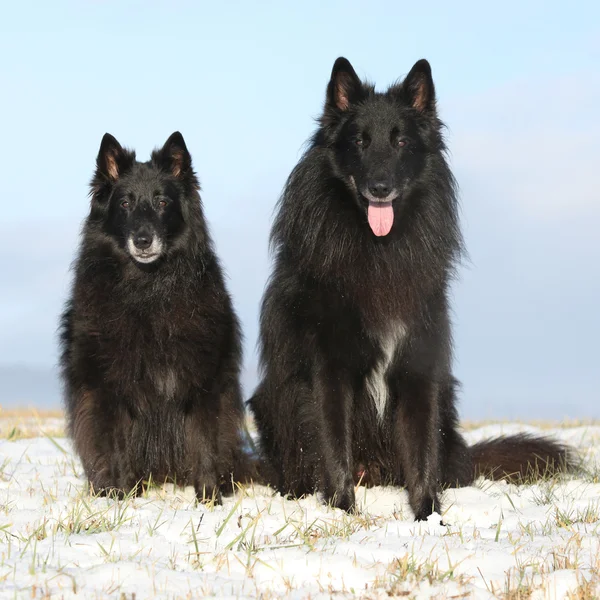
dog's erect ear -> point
(344, 87)
(174, 157)
(417, 87)
(112, 159)
(111, 163)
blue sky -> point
(518, 86)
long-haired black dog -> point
(355, 336)
(151, 346)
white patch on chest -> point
(166, 383)
(389, 342)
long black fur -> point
(340, 297)
(151, 347)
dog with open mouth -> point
(355, 336)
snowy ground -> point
(537, 541)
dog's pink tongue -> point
(381, 218)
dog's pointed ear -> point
(174, 157)
(417, 87)
(344, 88)
(111, 163)
(113, 160)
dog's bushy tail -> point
(522, 458)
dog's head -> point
(144, 208)
(381, 141)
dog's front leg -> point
(336, 402)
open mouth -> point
(381, 217)
(380, 213)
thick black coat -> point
(151, 346)
(355, 338)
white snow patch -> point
(56, 541)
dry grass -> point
(25, 423)
(589, 590)
(29, 412)
(541, 424)
(40, 415)
(407, 572)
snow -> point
(538, 541)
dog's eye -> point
(125, 204)
(359, 142)
(162, 203)
(401, 143)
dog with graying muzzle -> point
(151, 346)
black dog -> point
(356, 347)
(151, 346)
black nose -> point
(142, 241)
(380, 189)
